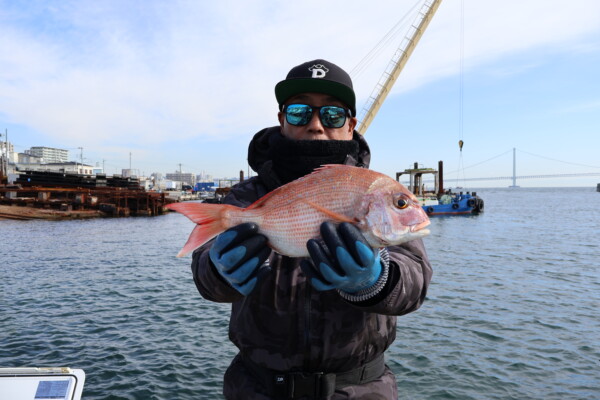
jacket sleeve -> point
(209, 282)
(409, 276)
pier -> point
(54, 195)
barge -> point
(439, 201)
(57, 195)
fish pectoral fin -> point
(328, 212)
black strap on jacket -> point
(314, 385)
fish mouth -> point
(418, 227)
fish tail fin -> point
(209, 218)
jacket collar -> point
(259, 160)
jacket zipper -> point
(307, 306)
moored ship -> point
(439, 201)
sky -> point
(162, 86)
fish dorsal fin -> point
(333, 168)
(335, 216)
(327, 168)
(260, 202)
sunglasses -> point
(330, 116)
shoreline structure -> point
(58, 196)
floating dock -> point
(56, 195)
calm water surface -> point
(513, 311)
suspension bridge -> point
(514, 177)
(518, 177)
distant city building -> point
(204, 177)
(226, 182)
(145, 183)
(49, 154)
(128, 173)
(169, 185)
(70, 166)
(184, 177)
(6, 149)
(24, 158)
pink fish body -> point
(384, 210)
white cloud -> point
(151, 73)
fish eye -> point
(401, 204)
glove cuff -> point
(370, 292)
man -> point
(312, 328)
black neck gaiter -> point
(293, 159)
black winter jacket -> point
(284, 324)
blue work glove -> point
(345, 261)
(238, 255)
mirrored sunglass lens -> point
(333, 117)
(298, 114)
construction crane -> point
(397, 63)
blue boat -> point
(439, 201)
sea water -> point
(512, 312)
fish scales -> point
(291, 215)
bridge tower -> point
(514, 175)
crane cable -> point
(391, 35)
(461, 94)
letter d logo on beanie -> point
(319, 71)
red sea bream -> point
(383, 209)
